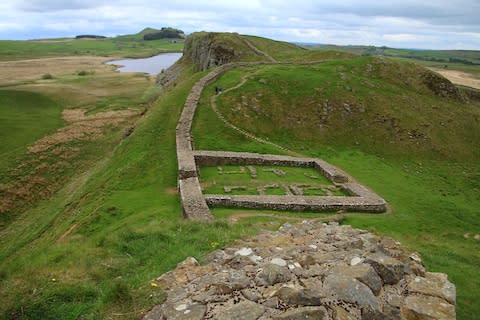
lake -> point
(152, 65)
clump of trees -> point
(165, 33)
(89, 36)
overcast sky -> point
(438, 24)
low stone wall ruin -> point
(195, 204)
(307, 271)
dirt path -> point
(258, 51)
(459, 77)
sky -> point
(425, 24)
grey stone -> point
(301, 296)
(234, 279)
(239, 261)
(272, 302)
(341, 314)
(245, 310)
(363, 273)
(272, 274)
(251, 294)
(387, 314)
(434, 284)
(311, 313)
(210, 296)
(427, 308)
(350, 290)
(183, 312)
(218, 256)
(389, 269)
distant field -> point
(118, 47)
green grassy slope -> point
(24, 118)
(378, 105)
(463, 60)
(379, 121)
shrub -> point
(84, 73)
(47, 76)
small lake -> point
(152, 65)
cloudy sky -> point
(437, 24)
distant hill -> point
(465, 60)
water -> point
(152, 65)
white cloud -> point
(402, 37)
(432, 24)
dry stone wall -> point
(307, 271)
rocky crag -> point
(307, 271)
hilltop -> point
(92, 248)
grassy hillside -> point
(91, 249)
(57, 127)
(380, 121)
(24, 118)
(378, 105)
(462, 60)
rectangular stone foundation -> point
(360, 198)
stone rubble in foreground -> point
(307, 271)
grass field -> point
(90, 250)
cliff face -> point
(442, 87)
(212, 49)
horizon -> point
(432, 25)
(305, 43)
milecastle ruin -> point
(195, 203)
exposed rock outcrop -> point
(206, 51)
(307, 271)
(442, 87)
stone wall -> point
(298, 203)
(307, 271)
